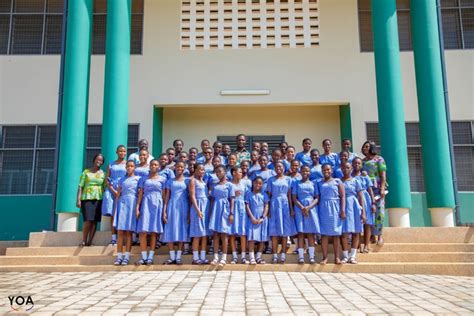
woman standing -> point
(376, 169)
(89, 198)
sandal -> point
(275, 260)
(301, 261)
(260, 261)
(380, 242)
(268, 251)
(204, 261)
(140, 262)
(253, 262)
(178, 262)
(215, 262)
(366, 249)
(234, 261)
(352, 260)
(337, 261)
(324, 261)
(149, 262)
(118, 262)
(82, 244)
(312, 261)
(244, 261)
(125, 262)
(113, 242)
(196, 262)
(169, 261)
(282, 260)
(344, 260)
(222, 263)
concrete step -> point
(111, 250)
(455, 269)
(391, 235)
(453, 257)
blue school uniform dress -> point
(254, 168)
(256, 203)
(125, 218)
(294, 179)
(337, 173)
(151, 208)
(265, 174)
(208, 168)
(211, 180)
(167, 173)
(177, 228)
(329, 208)
(316, 173)
(332, 159)
(366, 183)
(239, 226)
(200, 158)
(304, 158)
(200, 226)
(280, 223)
(305, 193)
(219, 220)
(352, 156)
(117, 171)
(142, 171)
(248, 183)
(228, 175)
(352, 223)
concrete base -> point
(442, 217)
(399, 217)
(106, 224)
(67, 222)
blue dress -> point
(280, 223)
(125, 218)
(265, 174)
(200, 158)
(286, 165)
(142, 171)
(177, 228)
(304, 158)
(337, 173)
(329, 208)
(239, 226)
(352, 223)
(167, 173)
(256, 203)
(254, 168)
(248, 183)
(117, 172)
(211, 180)
(208, 168)
(219, 220)
(332, 159)
(200, 226)
(316, 173)
(352, 156)
(305, 193)
(366, 183)
(151, 208)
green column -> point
(390, 102)
(345, 122)
(431, 105)
(157, 142)
(75, 101)
(117, 76)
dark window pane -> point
(98, 38)
(468, 27)
(44, 172)
(90, 153)
(131, 150)
(365, 31)
(462, 133)
(373, 132)
(449, 3)
(27, 34)
(133, 130)
(365, 5)
(4, 30)
(100, 6)
(53, 34)
(15, 171)
(415, 166)
(464, 157)
(467, 3)
(29, 6)
(55, 6)
(94, 136)
(5, 5)
(404, 30)
(403, 4)
(46, 137)
(18, 136)
(451, 29)
(413, 133)
(137, 33)
(137, 6)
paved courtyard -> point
(236, 292)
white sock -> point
(243, 254)
(144, 256)
(283, 255)
(234, 254)
(259, 255)
(353, 252)
(311, 252)
(345, 254)
(114, 237)
(300, 253)
(224, 256)
(151, 254)
(252, 255)
(172, 255)
(119, 255)
(127, 255)
(203, 254)
(178, 254)
(275, 256)
(216, 256)
(195, 255)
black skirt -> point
(91, 210)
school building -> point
(272, 69)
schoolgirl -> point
(239, 225)
(315, 171)
(329, 157)
(304, 157)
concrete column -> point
(157, 142)
(391, 109)
(74, 111)
(432, 112)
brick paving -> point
(237, 293)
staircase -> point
(447, 251)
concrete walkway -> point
(236, 292)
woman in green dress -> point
(89, 198)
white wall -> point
(334, 72)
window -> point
(34, 27)
(27, 156)
(463, 153)
(273, 141)
(457, 18)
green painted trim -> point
(75, 103)
(431, 104)
(157, 142)
(345, 122)
(390, 102)
(117, 77)
(419, 214)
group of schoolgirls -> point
(213, 194)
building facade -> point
(276, 70)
